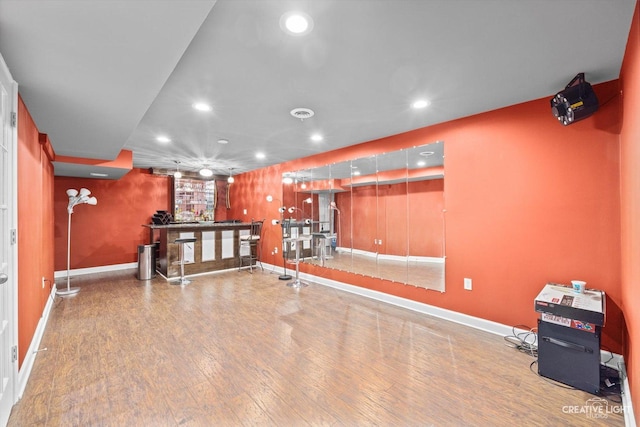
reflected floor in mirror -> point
(237, 348)
(423, 274)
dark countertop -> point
(198, 224)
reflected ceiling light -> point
(308, 200)
(303, 186)
(177, 174)
(223, 141)
(287, 180)
(99, 175)
(356, 173)
(201, 106)
(296, 23)
(260, 155)
(421, 103)
(164, 139)
(421, 163)
(316, 137)
(206, 172)
(230, 180)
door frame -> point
(12, 212)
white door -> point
(8, 246)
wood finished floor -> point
(244, 349)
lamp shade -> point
(92, 201)
(84, 192)
(72, 192)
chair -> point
(299, 241)
(252, 243)
(182, 242)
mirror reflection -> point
(379, 216)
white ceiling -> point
(99, 76)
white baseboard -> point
(32, 351)
(102, 269)
(616, 361)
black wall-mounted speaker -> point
(576, 102)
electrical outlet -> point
(467, 284)
(275, 250)
(245, 211)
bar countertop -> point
(197, 224)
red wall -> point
(630, 206)
(35, 227)
(528, 201)
(110, 232)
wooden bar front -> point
(217, 246)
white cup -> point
(578, 286)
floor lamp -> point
(75, 198)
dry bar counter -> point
(217, 246)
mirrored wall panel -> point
(380, 216)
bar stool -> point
(252, 242)
(182, 242)
(320, 247)
(297, 283)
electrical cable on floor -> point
(525, 342)
(557, 384)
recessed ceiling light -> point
(427, 153)
(206, 172)
(316, 137)
(223, 141)
(102, 175)
(260, 156)
(296, 23)
(164, 139)
(421, 103)
(356, 173)
(201, 106)
(421, 163)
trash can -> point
(146, 262)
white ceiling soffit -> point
(93, 72)
(88, 70)
(88, 171)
